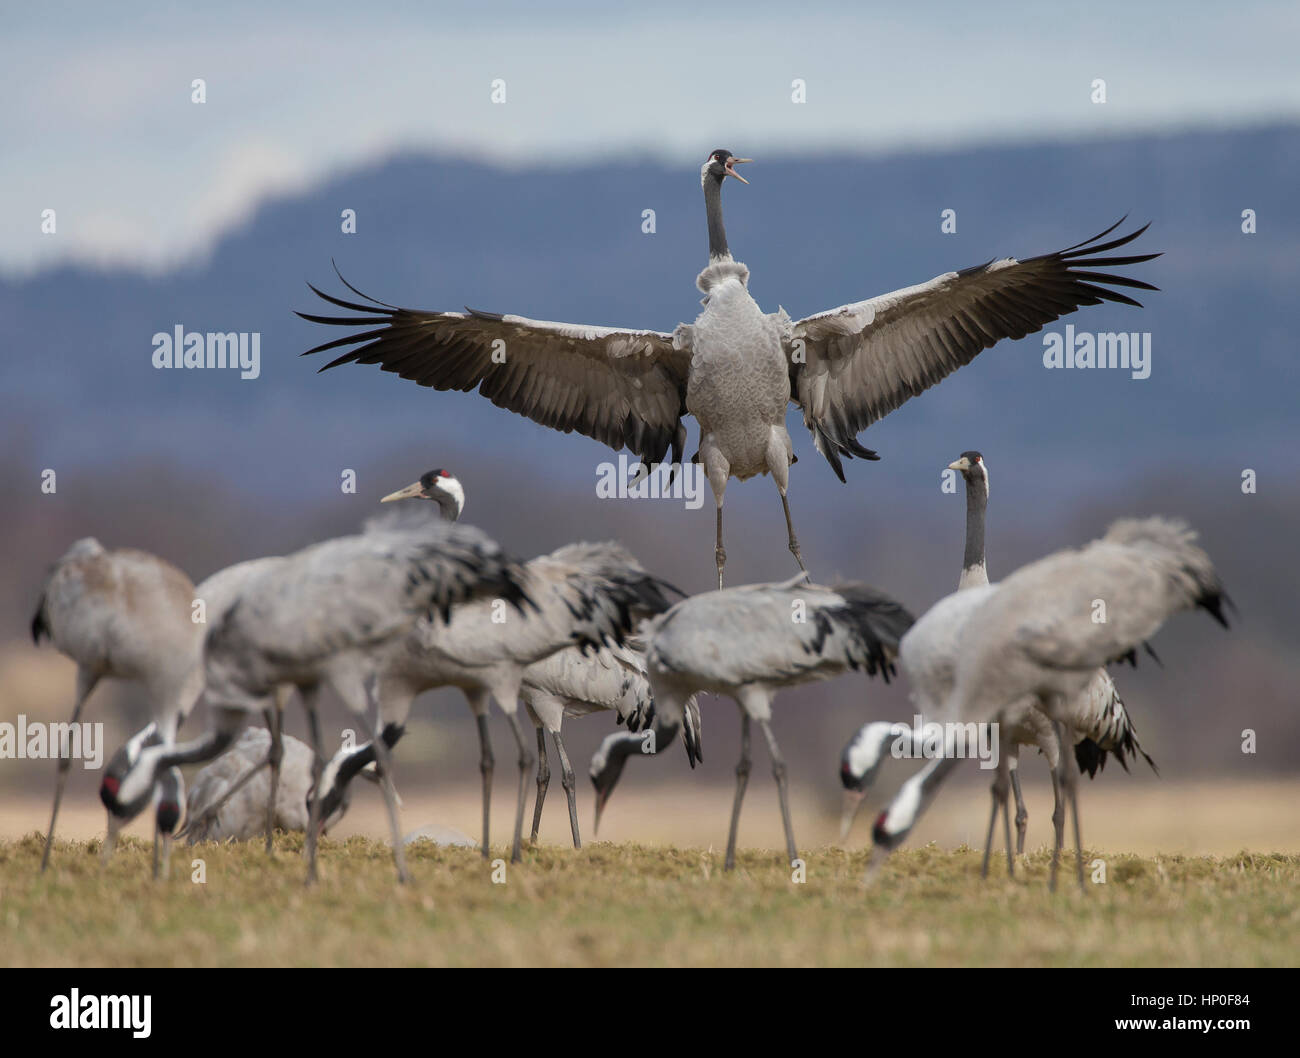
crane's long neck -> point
(713, 210)
(973, 570)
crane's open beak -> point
(732, 172)
(852, 802)
(415, 489)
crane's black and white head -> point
(341, 769)
(859, 764)
(721, 164)
(171, 795)
(606, 767)
(439, 485)
(973, 469)
(128, 784)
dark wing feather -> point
(624, 388)
(855, 364)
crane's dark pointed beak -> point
(852, 801)
(415, 489)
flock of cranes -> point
(409, 605)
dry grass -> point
(628, 904)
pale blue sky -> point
(97, 122)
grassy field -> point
(630, 904)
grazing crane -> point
(123, 614)
(1035, 636)
(231, 799)
(583, 594)
(322, 617)
(167, 795)
(736, 368)
(749, 642)
(219, 592)
(612, 753)
(574, 682)
(929, 657)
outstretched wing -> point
(624, 388)
(855, 364)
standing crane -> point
(218, 593)
(750, 642)
(320, 617)
(929, 657)
(123, 614)
(1034, 636)
(735, 368)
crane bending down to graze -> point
(929, 657)
(166, 796)
(123, 614)
(322, 617)
(1035, 636)
(574, 682)
(231, 799)
(735, 368)
(583, 594)
(750, 642)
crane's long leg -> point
(570, 784)
(1022, 813)
(384, 764)
(86, 681)
(274, 719)
(742, 780)
(317, 767)
(783, 793)
(794, 540)
(720, 552)
(1070, 770)
(988, 834)
(486, 762)
(525, 762)
(1006, 835)
(1058, 823)
(1000, 791)
(1069, 790)
(543, 781)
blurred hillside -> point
(207, 469)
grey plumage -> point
(929, 655)
(1036, 636)
(122, 614)
(243, 816)
(575, 682)
(735, 368)
(749, 642)
(321, 617)
(584, 595)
